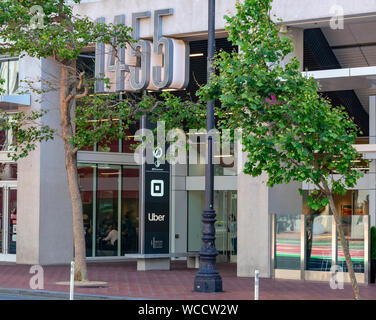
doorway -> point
(110, 199)
(8, 221)
(225, 204)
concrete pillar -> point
(372, 164)
(257, 202)
(297, 37)
(45, 230)
(253, 227)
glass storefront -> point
(110, 196)
(320, 240)
(288, 242)
(225, 205)
(352, 208)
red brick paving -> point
(177, 284)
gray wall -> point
(286, 199)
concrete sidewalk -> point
(123, 281)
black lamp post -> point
(208, 279)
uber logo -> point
(156, 218)
(157, 188)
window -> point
(110, 199)
(6, 138)
(10, 73)
(353, 208)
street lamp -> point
(208, 279)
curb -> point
(53, 295)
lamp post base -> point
(208, 279)
(208, 284)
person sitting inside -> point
(112, 238)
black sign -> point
(157, 204)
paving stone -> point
(124, 281)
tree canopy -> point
(290, 130)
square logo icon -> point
(157, 188)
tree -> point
(85, 119)
(290, 131)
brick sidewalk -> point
(124, 281)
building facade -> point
(261, 228)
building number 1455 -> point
(160, 64)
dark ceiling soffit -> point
(318, 55)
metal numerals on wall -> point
(146, 65)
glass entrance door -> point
(8, 218)
(226, 231)
(225, 204)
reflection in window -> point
(354, 233)
(353, 208)
(9, 73)
(288, 242)
(319, 242)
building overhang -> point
(345, 79)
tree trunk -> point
(345, 247)
(80, 273)
(309, 236)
